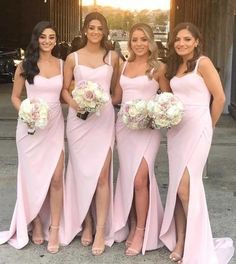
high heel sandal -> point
(53, 249)
(97, 251)
(85, 241)
(131, 251)
(37, 240)
(131, 234)
(87, 232)
(176, 257)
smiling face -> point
(139, 43)
(47, 40)
(185, 43)
(95, 31)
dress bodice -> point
(48, 89)
(191, 88)
(101, 74)
(139, 87)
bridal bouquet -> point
(134, 114)
(90, 97)
(165, 111)
(34, 112)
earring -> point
(85, 33)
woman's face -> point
(94, 31)
(139, 43)
(185, 43)
(47, 40)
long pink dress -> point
(133, 146)
(89, 142)
(38, 156)
(188, 147)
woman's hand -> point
(74, 105)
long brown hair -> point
(29, 65)
(152, 61)
(104, 42)
(174, 60)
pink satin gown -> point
(188, 147)
(89, 142)
(38, 156)
(133, 146)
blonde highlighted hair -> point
(152, 60)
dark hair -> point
(174, 60)
(29, 65)
(75, 43)
(104, 43)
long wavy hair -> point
(104, 42)
(152, 60)
(29, 65)
(174, 60)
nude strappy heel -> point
(37, 240)
(131, 251)
(53, 249)
(97, 251)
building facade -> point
(18, 17)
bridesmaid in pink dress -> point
(41, 155)
(194, 80)
(89, 177)
(137, 208)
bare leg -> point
(132, 224)
(87, 234)
(56, 200)
(141, 206)
(102, 197)
(37, 232)
(181, 212)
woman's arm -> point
(19, 84)
(115, 75)
(117, 91)
(160, 77)
(213, 83)
(67, 79)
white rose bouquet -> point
(134, 114)
(90, 98)
(35, 113)
(165, 111)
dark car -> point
(9, 59)
(162, 51)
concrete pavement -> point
(220, 186)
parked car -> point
(9, 59)
(162, 51)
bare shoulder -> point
(162, 67)
(206, 67)
(205, 63)
(20, 69)
(70, 59)
(114, 55)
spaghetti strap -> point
(125, 64)
(197, 63)
(76, 58)
(151, 72)
(61, 66)
(109, 58)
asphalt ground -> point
(219, 181)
